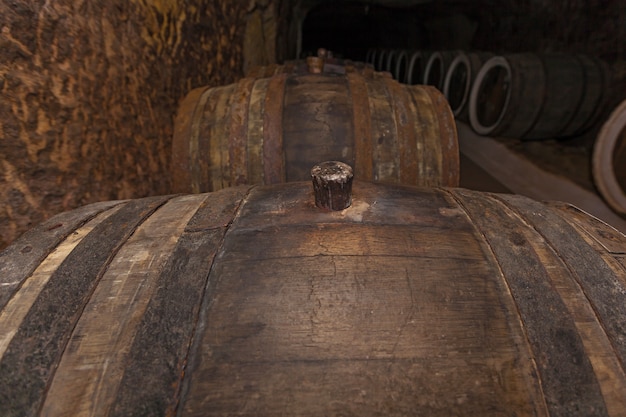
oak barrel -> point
(532, 96)
(609, 159)
(415, 69)
(252, 301)
(275, 129)
(402, 66)
(459, 79)
(436, 68)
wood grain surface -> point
(252, 301)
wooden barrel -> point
(459, 79)
(417, 63)
(304, 66)
(402, 67)
(392, 61)
(274, 129)
(436, 68)
(537, 96)
(369, 55)
(252, 301)
(381, 59)
(609, 160)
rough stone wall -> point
(88, 92)
(595, 27)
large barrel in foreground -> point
(275, 129)
(252, 301)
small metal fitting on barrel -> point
(332, 185)
(315, 64)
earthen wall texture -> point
(88, 93)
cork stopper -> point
(332, 185)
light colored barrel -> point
(381, 60)
(253, 301)
(417, 63)
(537, 96)
(274, 129)
(609, 160)
(402, 67)
(459, 79)
(392, 60)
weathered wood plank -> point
(602, 285)
(298, 316)
(13, 313)
(273, 151)
(185, 169)
(317, 124)
(33, 353)
(361, 126)
(568, 380)
(19, 260)
(256, 112)
(157, 359)
(406, 156)
(88, 375)
(383, 124)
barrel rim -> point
(429, 67)
(389, 62)
(460, 59)
(381, 59)
(494, 62)
(411, 67)
(602, 167)
(403, 55)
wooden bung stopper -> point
(332, 185)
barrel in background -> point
(251, 301)
(459, 79)
(324, 62)
(537, 96)
(402, 67)
(417, 63)
(436, 68)
(609, 160)
(274, 129)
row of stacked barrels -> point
(255, 299)
(526, 96)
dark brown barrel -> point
(252, 301)
(275, 129)
(459, 79)
(609, 160)
(537, 96)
